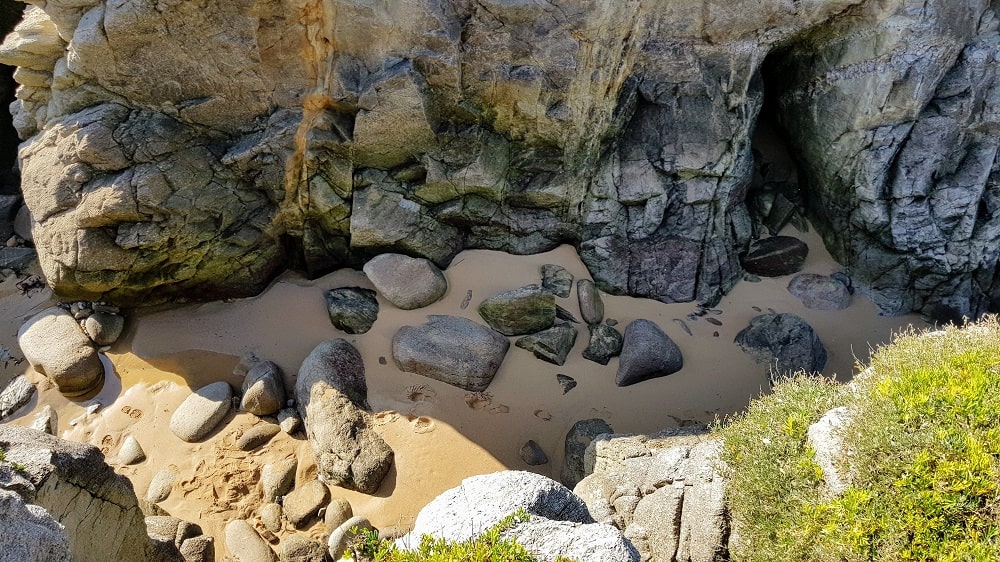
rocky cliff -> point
(197, 148)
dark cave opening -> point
(776, 196)
(9, 178)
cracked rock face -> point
(313, 134)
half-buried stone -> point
(552, 345)
(820, 292)
(647, 353)
(525, 310)
(332, 398)
(785, 342)
(775, 256)
(451, 349)
(55, 345)
(202, 411)
(352, 309)
(406, 282)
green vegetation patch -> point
(923, 438)
(490, 546)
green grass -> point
(490, 546)
(924, 457)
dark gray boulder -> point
(785, 342)
(451, 349)
(578, 438)
(591, 305)
(352, 309)
(775, 256)
(605, 343)
(16, 258)
(552, 345)
(647, 352)
(406, 282)
(556, 280)
(263, 389)
(820, 292)
(525, 310)
(332, 398)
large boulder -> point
(525, 310)
(775, 256)
(97, 508)
(820, 292)
(55, 345)
(406, 282)
(332, 398)
(451, 349)
(784, 342)
(647, 352)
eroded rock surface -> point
(332, 398)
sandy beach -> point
(440, 434)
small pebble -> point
(713, 321)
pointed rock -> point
(567, 382)
(552, 345)
(647, 352)
(131, 452)
(533, 455)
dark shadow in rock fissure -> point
(777, 192)
(10, 14)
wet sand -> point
(440, 434)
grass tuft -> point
(922, 448)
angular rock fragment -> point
(352, 309)
(556, 280)
(15, 395)
(332, 398)
(567, 382)
(451, 349)
(202, 411)
(647, 352)
(552, 345)
(563, 314)
(605, 343)
(775, 256)
(406, 282)
(525, 310)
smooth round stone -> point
(342, 535)
(337, 511)
(245, 544)
(55, 345)
(202, 411)
(104, 328)
(647, 352)
(532, 454)
(820, 292)
(406, 282)
(161, 485)
(304, 502)
(131, 452)
(591, 305)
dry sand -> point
(440, 434)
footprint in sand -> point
(478, 400)
(422, 424)
(420, 393)
(543, 415)
(385, 418)
(134, 413)
(501, 409)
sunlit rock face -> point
(196, 149)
